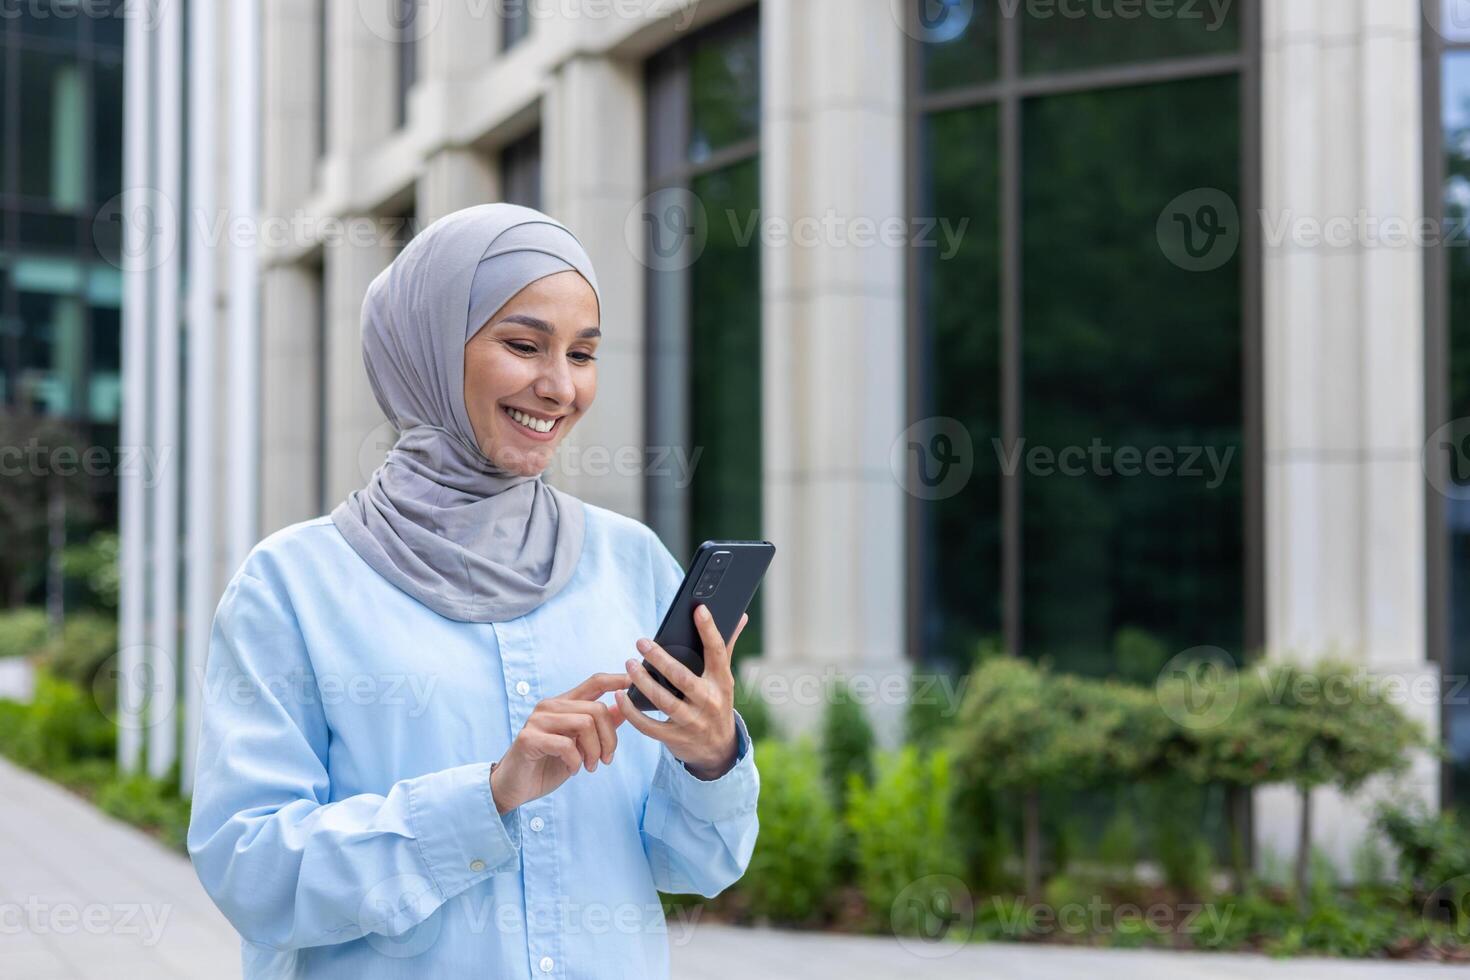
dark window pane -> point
(109, 24)
(51, 355)
(724, 92)
(47, 231)
(725, 368)
(515, 22)
(407, 55)
(1084, 35)
(1131, 368)
(53, 134)
(961, 371)
(520, 171)
(108, 131)
(959, 43)
(53, 19)
(1455, 102)
(104, 379)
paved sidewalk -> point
(84, 896)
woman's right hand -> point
(562, 735)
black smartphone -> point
(723, 575)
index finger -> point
(596, 686)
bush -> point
(754, 711)
(94, 565)
(87, 642)
(22, 631)
(900, 825)
(61, 725)
(1429, 848)
(153, 804)
(847, 741)
(791, 872)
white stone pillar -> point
(1343, 358)
(832, 131)
(352, 414)
(594, 135)
(454, 178)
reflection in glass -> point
(1066, 37)
(1128, 558)
(959, 44)
(961, 534)
(53, 129)
(724, 92)
(1455, 102)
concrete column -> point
(594, 112)
(1343, 354)
(289, 302)
(290, 430)
(364, 78)
(352, 414)
(454, 178)
(833, 356)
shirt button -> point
(522, 688)
(546, 964)
(477, 865)
(537, 823)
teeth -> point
(540, 425)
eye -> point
(582, 357)
(520, 347)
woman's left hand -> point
(701, 728)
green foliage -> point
(22, 631)
(755, 712)
(59, 726)
(931, 709)
(1139, 655)
(1429, 848)
(791, 872)
(847, 741)
(87, 642)
(1183, 853)
(153, 804)
(1117, 849)
(94, 566)
(901, 827)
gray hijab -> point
(470, 540)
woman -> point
(407, 766)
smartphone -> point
(723, 575)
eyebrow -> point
(536, 323)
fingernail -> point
(643, 645)
(631, 663)
(704, 612)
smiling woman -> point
(341, 838)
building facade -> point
(1098, 332)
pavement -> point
(84, 896)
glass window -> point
(515, 22)
(407, 56)
(107, 134)
(960, 378)
(704, 369)
(1455, 120)
(520, 171)
(1071, 36)
(323, 79)
(53, 123)
(725, 93)
(1136, 364)
(961, 43)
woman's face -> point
(530, 372)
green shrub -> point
(87, 642)
(900, 825)
(61, 725)
(1429, 848)
(791, 872)
(22, 631)
(94, 565)
(754, 711)
(847, 741)
(153, 804)
(931, 710)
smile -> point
(531, 423)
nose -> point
(554, 383)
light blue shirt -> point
(342, 815)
